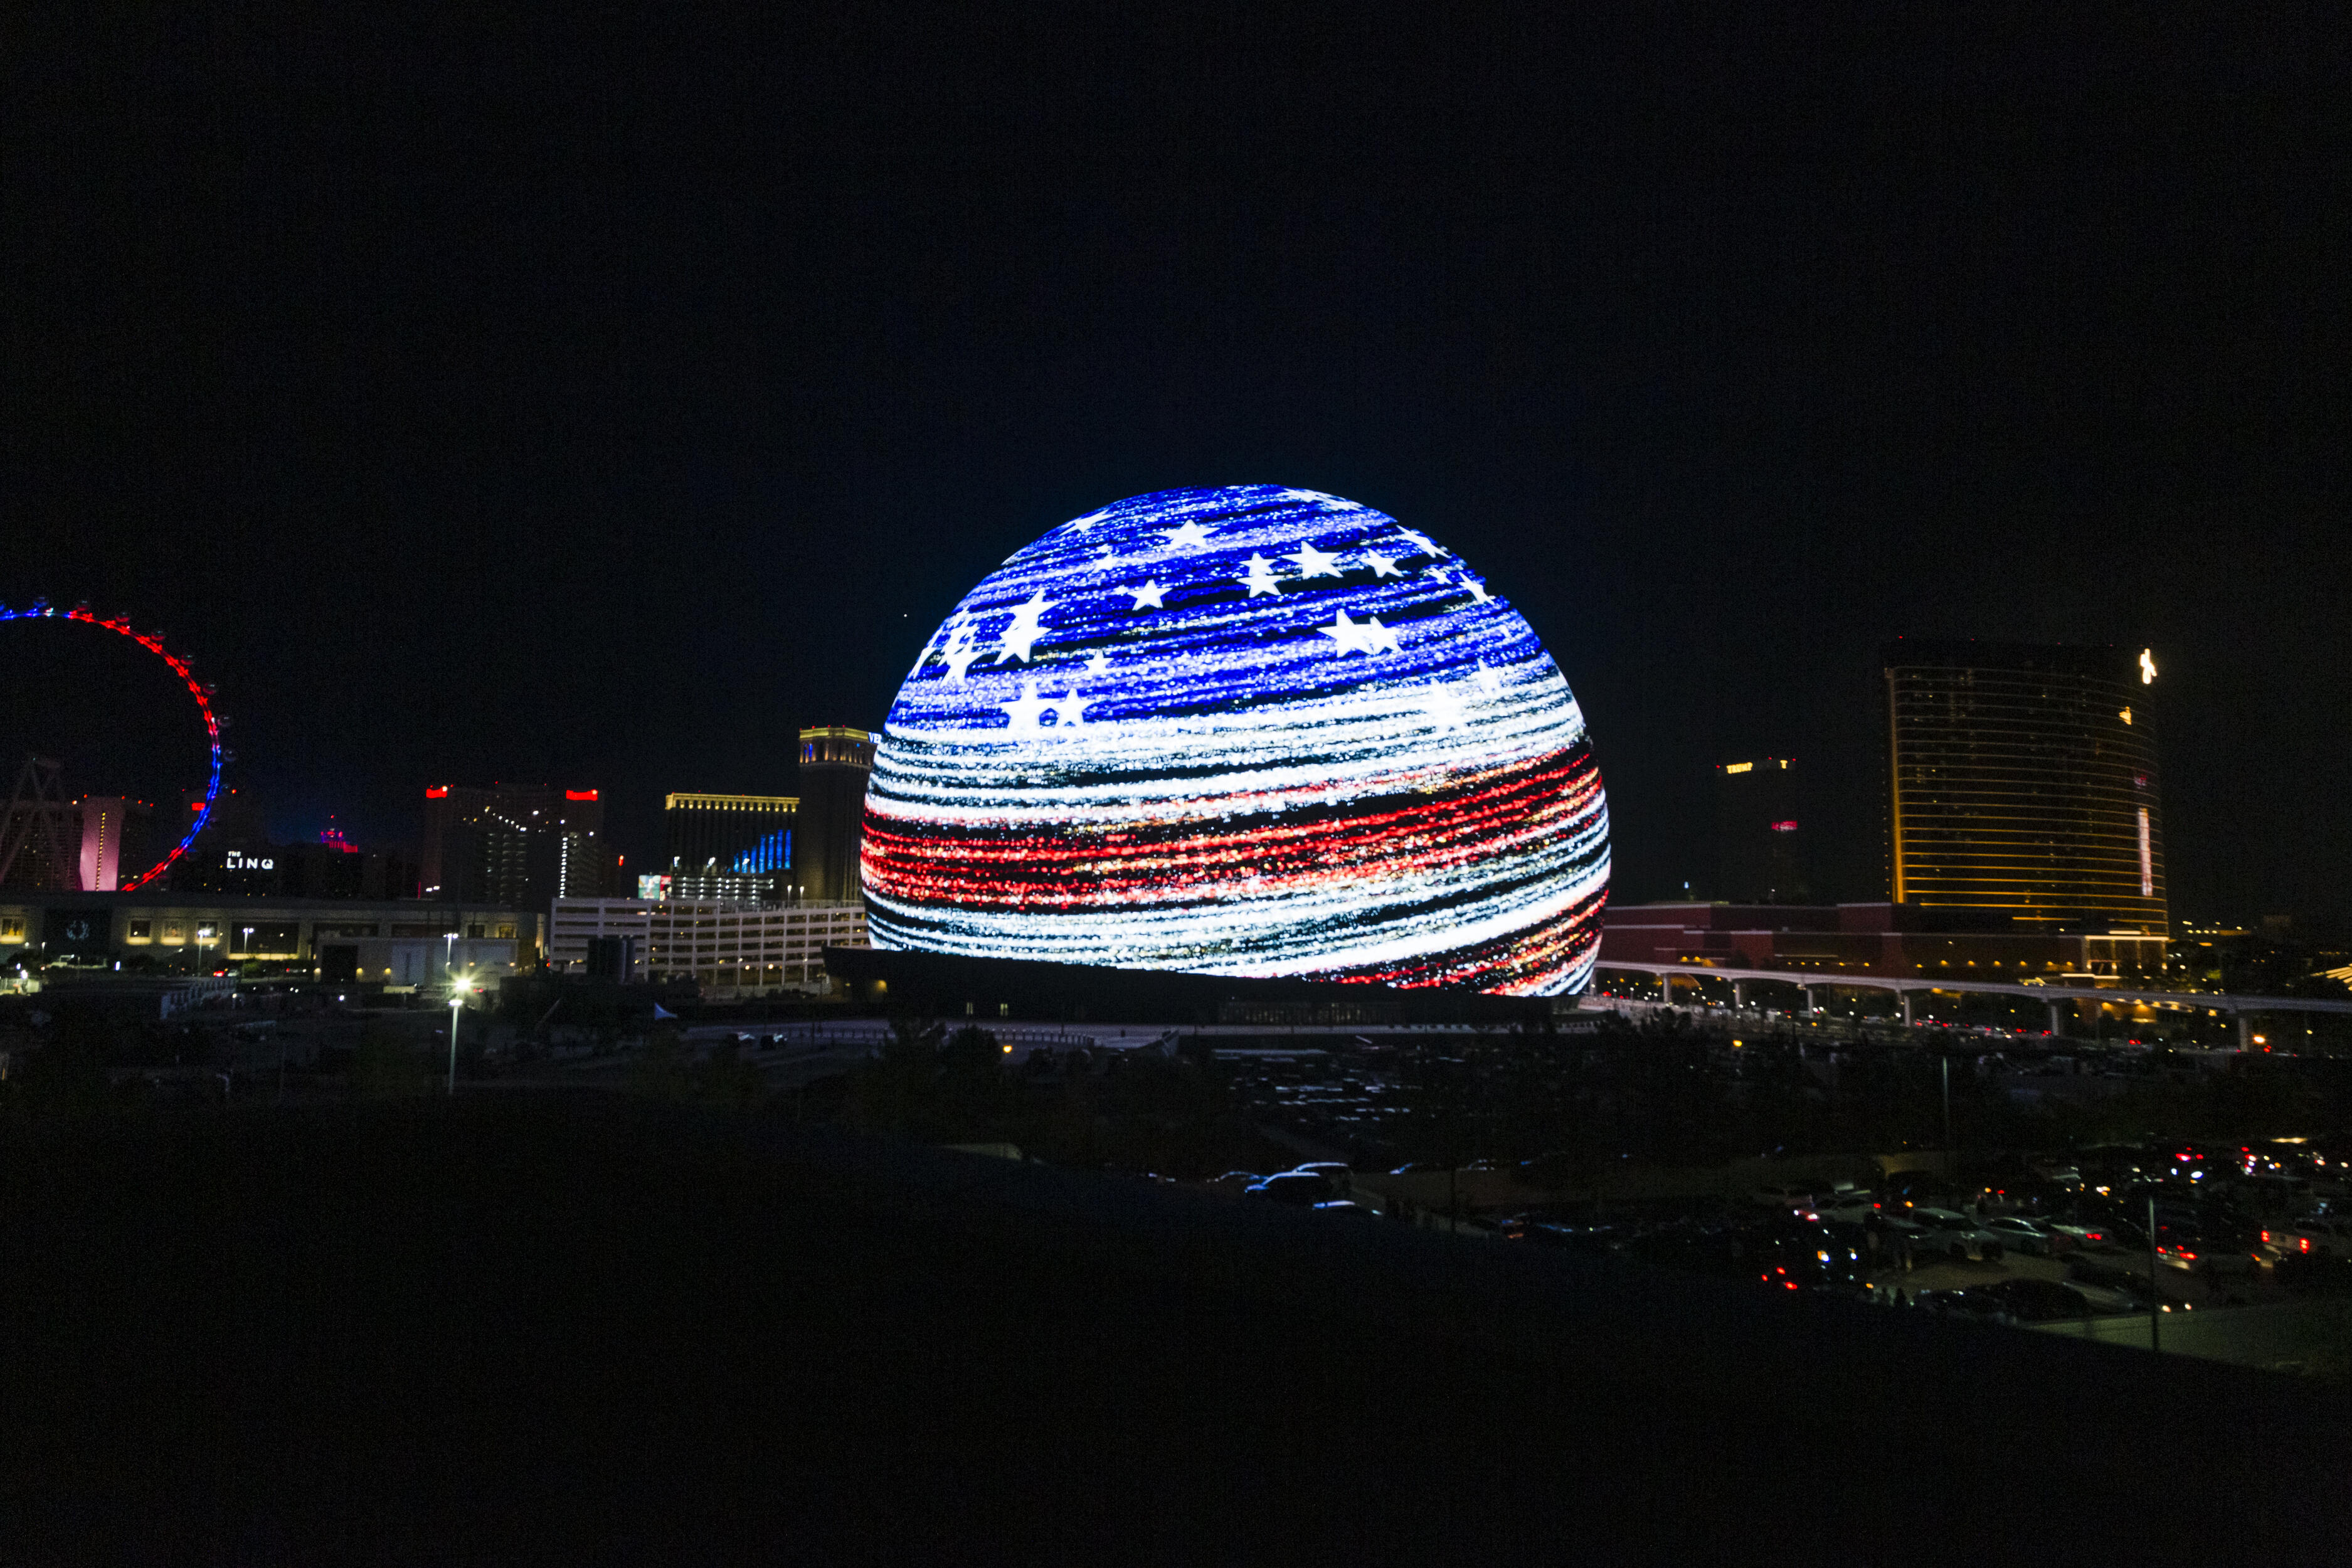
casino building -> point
(514, 846)
(744, 834)
(2022, 781)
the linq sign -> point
(78, 931)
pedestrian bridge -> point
(2239, 1005)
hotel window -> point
(506, 933)
(174, 931)
(12, 930)
(142, 930)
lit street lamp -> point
(456, 1001)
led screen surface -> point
(1248, 730)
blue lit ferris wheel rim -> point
(154, 645)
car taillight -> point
(2266, 1236)
(2306, 1244)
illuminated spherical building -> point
(1249, 731)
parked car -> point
(2026, 1238)
(2209, 1252)
(1784, 1196)
(2315, 1273)
(2112, 1300)
(1332, 1170)
(1300, 1189)
(2315, 1236)
(2086, 1270)
(1236, 1181)
(1963, 1304)
(2077, 1234)
(2038, 1300)
(1847, 1207)
(1952, 1234)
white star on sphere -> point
(1023, 634)
(1191, 536)
(1477, 590)
(1421, 542)
(1021, 711)
(1307, 495)
(1489, 683)
(960, 653)
(1087, 521)
(1069, 713)
(1261, 578)
(1098, 664)
(1445, 707)
(1377, 637)
(1381, 565)
(1345, 636)
(1313, 562)
(1149, 594)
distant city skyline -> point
(1725, 373)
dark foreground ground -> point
(588, 1329)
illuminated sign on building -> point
(2147, 666)
(1249, 731)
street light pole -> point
(456, 1001)
(1951, 1164)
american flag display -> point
(1247, 731)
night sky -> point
(595, 403)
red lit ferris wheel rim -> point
(153, 644)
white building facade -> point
(730, 948)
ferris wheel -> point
(30, 815)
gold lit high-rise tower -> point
(2022, 779)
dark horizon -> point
(597, 405)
